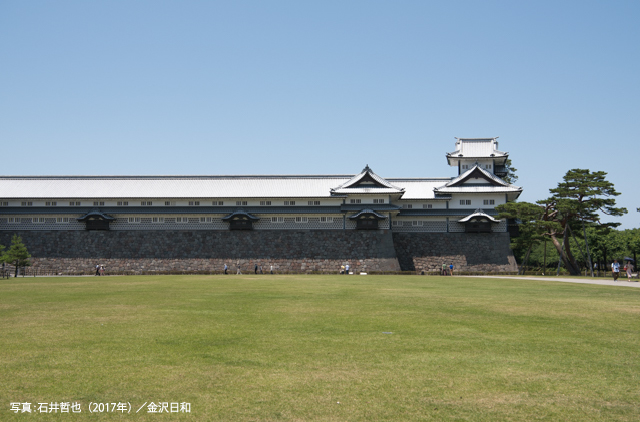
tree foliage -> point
(18, 255)
(511, 176)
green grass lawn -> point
(310, 348)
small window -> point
(146, 203)
(75, 204)
(123, 203)
(194, 203)
(378, 201)
(182, 220)
(314, 203)
(241, 203)
(38, 220)
(417, 223)
(206, 219)
(4, 204)
(133, 219)
(429, 206)
(62, 219)
(157, 220)
(289, 202)
(277, 219)
(265, 203)
(98, 203)
(489, 202)
(407, 206)
(27, 204)
(355, 201)
(217, 203)
(465, 167)
(169, 203)
(13, 220)
(396, 223)
(488, 167)
(302, 219)
(465, 202)
(326, 219)
(51, 204)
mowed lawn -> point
(321, 348)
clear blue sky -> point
(324, 87)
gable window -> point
(241, 203)
(289, 202)
(263, 203)
(355, 201)
(277, 219)
(123, 203)
(465, 202)
(314, 202)
(51, 204)
(489, 202)
(194, 203)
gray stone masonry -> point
(481, 252)
(135, 252)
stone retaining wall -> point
(77, 252)
(482, 252)
(201, 251)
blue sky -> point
(325, 87)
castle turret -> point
(481, 151)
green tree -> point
(530, 225)
(511, 176)
(580, 199)
(17, 254)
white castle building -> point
(366, 201)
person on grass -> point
(629, 268)
(615, 269)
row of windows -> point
(409, 206)
(35, 220)
(484, 202)
(415, 223)
(184, 220)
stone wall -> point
(482, 252)
(77, 252)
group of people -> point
(447, 270)
(344, 269)
(99, 269)
(257, 269)
(615, 269)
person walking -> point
(346, 269)
(341, 269)
(629, 268)
(255, 268)
(451, 269)
(615, 270)
(238, 272)
(102, 270)
(97, 269)
(271, 269)
(225, 268)
(444, 269)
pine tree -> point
(18, 255)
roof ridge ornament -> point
(366, 169)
